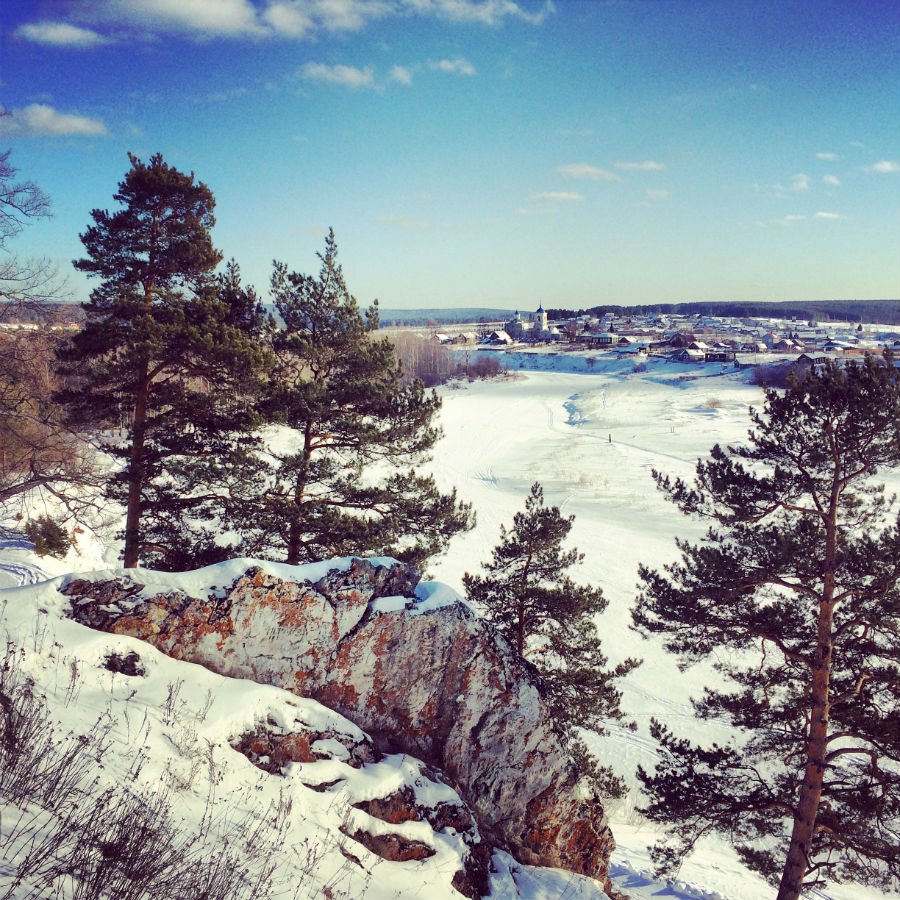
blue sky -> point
(484, 152)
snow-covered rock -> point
(418, 670)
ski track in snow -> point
(13, 572)
(23, 574)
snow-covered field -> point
(591, 437)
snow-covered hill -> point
(117, 759)
(591, 437)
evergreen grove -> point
(237, 436)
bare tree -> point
(36, 451)
(26, 285)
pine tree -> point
(162, 345)
(548, 619)
(341, 479)
(794, 593)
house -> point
(720, 354)
(601, 339)
(681, 339)
(499, 337)
(814, 361)
(688, 355)
(631, 349)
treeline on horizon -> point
(879, 312)
(882, 312)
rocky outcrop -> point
(422, 797)
(270, 747)
(423, 677)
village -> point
(682, 338)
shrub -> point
(71, 837)
(124, 663)
(484, 367)
(774, 375)
(49, 537)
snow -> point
(590, 432)
(216, 578)
(592, 437)
(389, 604)
(433, 595)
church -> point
(535, 328)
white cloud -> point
(833, 180)
(831, 157)
(485, 12)
(800, 182)
(788, 220)
(289, 20)
(585, 170)
(294, 19)
(831, 216)
(648, 165)
(223, 18)
(41, 120)
(885, 167)
(655, 195)
(556, 197)
(346, 76)
(346, 15)
(59, 34)
(401, 75)
(458, 66)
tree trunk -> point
(523, 595)
(797, 863)
(520, 630)
(136, 472)
(295, 530)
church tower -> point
(540, 319)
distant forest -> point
(883, 312)
(48, 311)
(431, 316)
